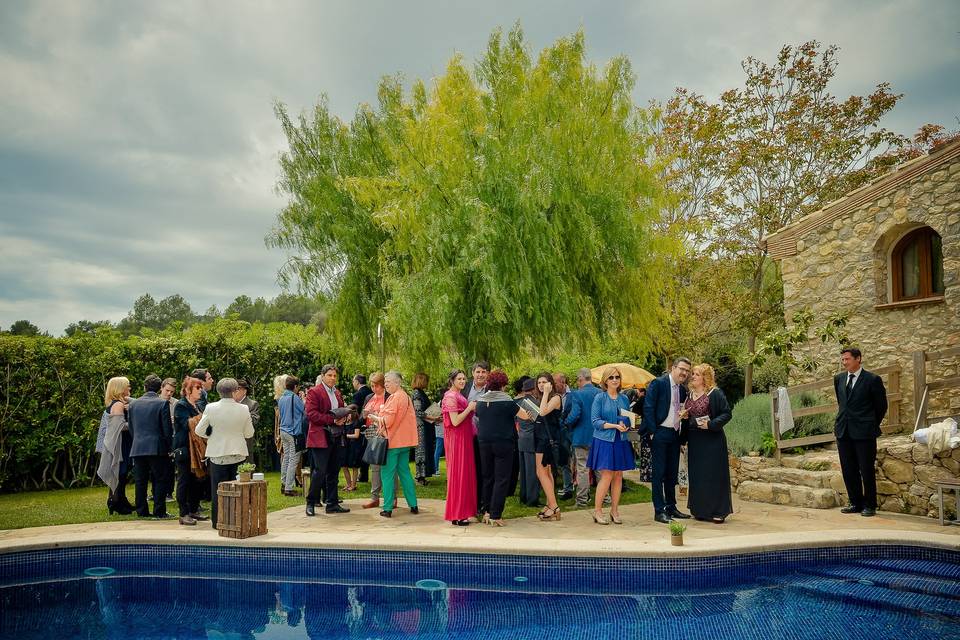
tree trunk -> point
(748, 370)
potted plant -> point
(245, 471)
(676, 533)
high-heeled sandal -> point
(496, 523)
(553, 514)
(615, 519)
(486, 518)
(600, 519)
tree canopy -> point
(495, 211)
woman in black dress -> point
(426, 438)
(547, 442)
(709, 468)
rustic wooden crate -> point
(242, 509)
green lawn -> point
(73, 506)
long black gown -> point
(707, 461)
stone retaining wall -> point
(906, 478)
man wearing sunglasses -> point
(662, 418)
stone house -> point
(888, 253)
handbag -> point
(376, 451)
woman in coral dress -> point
(458, 450)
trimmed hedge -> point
(51, 389)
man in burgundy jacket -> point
(324, 448)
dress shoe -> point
(372, 504)
(310, 510)
(337, 509)
(850, 509)
(662, 517)
(675, 513)
(199, 517)
(868, 512)
(188, 521)
(566, 495)
(386, 514)
(414, 510)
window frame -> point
(923, 237)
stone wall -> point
(845, 266)
(906, 478)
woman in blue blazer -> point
(610, 452)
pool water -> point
(892, 592)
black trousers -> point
(496, 463)
(665, 466)
(481, 505)
(857, 464)
(188, 490)
(219, 473)
(159, 468)
(529, 482)
(324, 472)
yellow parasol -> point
(632, 376)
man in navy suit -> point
(861, 406)
(152, 431)
(661, 420)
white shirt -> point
(672, 415)
(856, 376)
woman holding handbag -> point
(398, 422)
(372, 406)
(186, 415)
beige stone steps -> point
(787, 494)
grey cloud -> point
(138, 145)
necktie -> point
(675, 400)
(850, 383)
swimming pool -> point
(174, 591)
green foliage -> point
(750, 421)
(751, 427)
(503, 209)
(51, 389)
(246, 467)
(24, 328)
(815, 465)
(677, 528)
(770, 375)
(783, 343)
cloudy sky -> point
(138, 148)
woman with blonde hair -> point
(707, 413)
(113, 444)
(610, 453)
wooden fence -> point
(922, 389)
(891, 379)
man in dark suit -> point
(361, 392)
(152, 431)
(862, 404)
(662, 416)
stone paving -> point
(753, 526)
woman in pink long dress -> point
(458, 449)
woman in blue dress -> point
(610, 453)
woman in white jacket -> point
(226, 425)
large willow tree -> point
(496, 212)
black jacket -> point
(859, 415)
(182, 413)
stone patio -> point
(753, 527)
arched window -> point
(917, 265)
